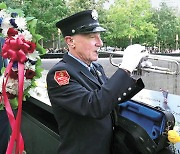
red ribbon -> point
(15, 50)
(14, 123)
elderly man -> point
(81, 95)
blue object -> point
(152, 120)
(3, 62)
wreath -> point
(22, 50)
(20, 44)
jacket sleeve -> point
(131, 91)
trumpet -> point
(150, 68)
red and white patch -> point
(62, 77)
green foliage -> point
(2, 70)
(14, 103)
(79, 5)
(1, 106)
(48, 12)
(75, 6)
(3, 6)
(129, 20)
(168, 26)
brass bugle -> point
(152, 68)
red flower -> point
(12, 32)
(28, 47)
(29, 74)
(32, 47)
(13, 74)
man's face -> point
(86, 47)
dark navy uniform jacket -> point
(82, 107)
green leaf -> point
(37, 37)
(2, 70)
(3, 6)
(41, 50)
(14, 103)
(38, 72)
(28, 19)
(1, 106)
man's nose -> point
(99, 42)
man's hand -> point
(132, 57)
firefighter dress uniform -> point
(81, 101)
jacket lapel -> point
(81, 69)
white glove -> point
(132, 57)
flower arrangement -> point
(22, 50)
(20, 45)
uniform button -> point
(73, 31)
(124, 94)
(119, 99)
(129, 88)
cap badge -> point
(94, 14)
(62, 77)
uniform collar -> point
(84, 64)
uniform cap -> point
(81, 22)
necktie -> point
(95, 74)
(92, 70)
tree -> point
(48, 12)
(80, 5)
(168, 26)
(75, 6)
(128, 22)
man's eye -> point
(92, 36)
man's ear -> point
(69, 41)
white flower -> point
(4, 14)
(29, 66)
(21, 23)
(33, 56)
(12, 86)
(6, 25)
(27, 35)
(27, 83)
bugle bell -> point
(151, 68)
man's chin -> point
(95, 59)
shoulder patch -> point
(62, 77)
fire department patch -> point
(62, 77)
